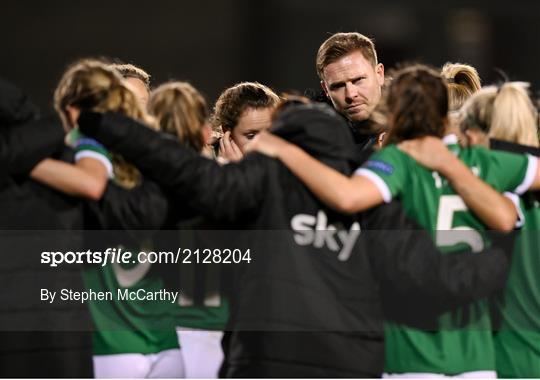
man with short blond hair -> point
(352, 78)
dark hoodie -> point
(37, 339)
(56, 337)
(310, 303)
(24, 139)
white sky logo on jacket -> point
(316, 230)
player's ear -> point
(476, 137)
(207, 133)
(381, 138)
(72, 114)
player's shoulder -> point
(484, 154)
(389, 154)
(388, 159)
(481, 150)
(476, 154)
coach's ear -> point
(379, 72)
(325, 88)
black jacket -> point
(513, 147)
(304, 307)
(38, 339)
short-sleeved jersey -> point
(124, 326)
(86, 147)
(517, 343)
(129, 326)
(463, 341)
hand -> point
(267, 143)
(228, 148)
(430, 152)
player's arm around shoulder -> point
(494, 209)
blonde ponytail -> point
(514, 115)
(91, 85)
(462, 80)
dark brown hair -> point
(341, 44)
(417, 104)
(236, 99)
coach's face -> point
(353, 85)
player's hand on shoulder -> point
(428, 151)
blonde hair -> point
(462, 81)
(181, 111)
(505, 113)
(92, 85)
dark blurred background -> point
(214, 44)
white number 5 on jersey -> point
(448, 205)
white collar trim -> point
(450, 139)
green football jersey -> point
(202, 303)
(129, 326)
(517, 343)
(463, 341)
(124, 326)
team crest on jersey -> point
(381, 166)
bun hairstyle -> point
(180, 111)
(462, 81)
(505, 113)
(92, 85)
(417, 104)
